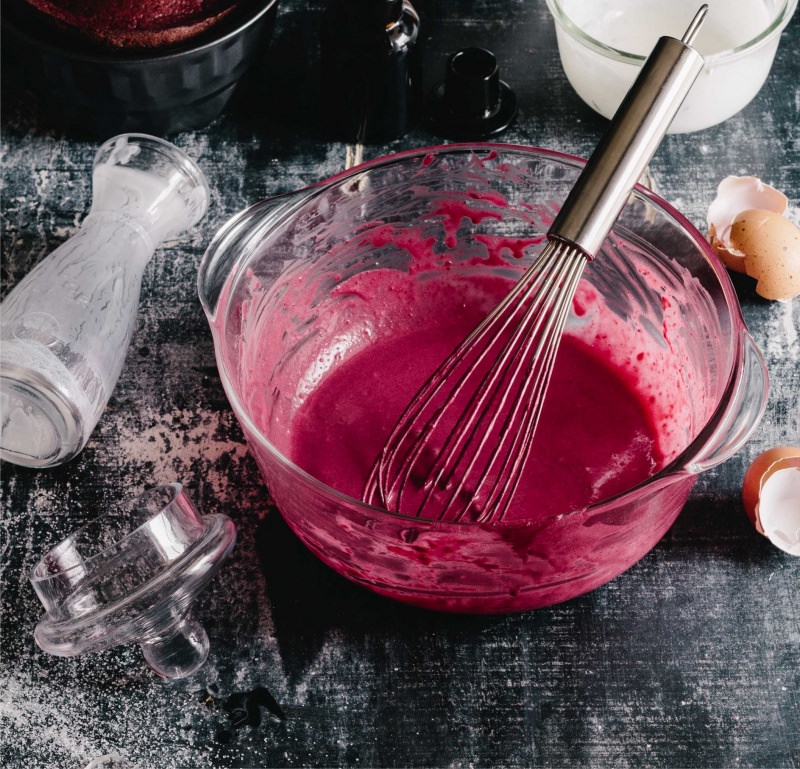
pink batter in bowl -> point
(308, 294)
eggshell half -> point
(734, 195)
(771, 247)
(771, 496)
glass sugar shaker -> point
(66, 326)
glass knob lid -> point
(131, 576)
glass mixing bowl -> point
(603, 45)
(274, 286)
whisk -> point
(458, 451)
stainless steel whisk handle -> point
(636, 130)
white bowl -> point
(603, 44)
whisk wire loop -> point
(504, 367)
(496, 419)
(530, 400)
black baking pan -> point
(92, 90)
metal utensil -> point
(458, 451)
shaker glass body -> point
(66, 326)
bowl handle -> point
(224, 254)
(746, 406)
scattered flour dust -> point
(111, 761)
(66, 724)
(24, 703)
(175, 441)
(782, 338)
(790, 325)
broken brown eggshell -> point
(771, 496)
(771, 247)
(734, 195)
(750, 233)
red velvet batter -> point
(596, 436)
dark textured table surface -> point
(689, 659)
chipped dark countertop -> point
(689, 659)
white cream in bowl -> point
(603, 43)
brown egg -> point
(771, 496)
(771, 247)
(734, 195)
